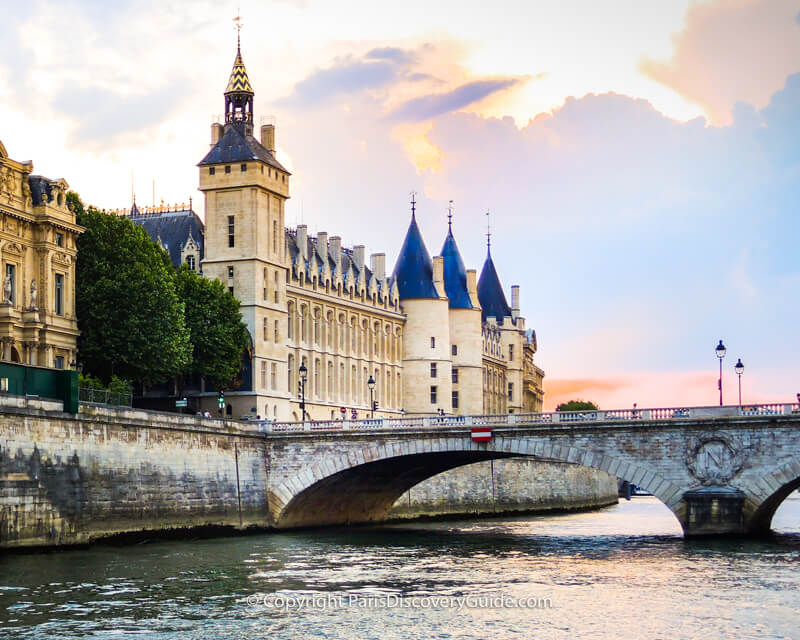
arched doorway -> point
(15, 355)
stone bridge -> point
(720, 470)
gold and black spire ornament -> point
(239, 93)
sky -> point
(640, 159)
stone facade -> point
(312, 302)
(38, 237)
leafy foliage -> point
(577, 405)
(216, 331)
(130, 317)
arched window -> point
(290, 377)
(290, 308)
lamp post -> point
(739, 369)
(720, 354)
(303, 374)
(371, 385)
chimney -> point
(378, 265)
(302, 240)
(438, 275)
(335, 249)
(216, 132)
(322, 246)
(268, 137)
(358, 257)
(515, 302)
(472, 287)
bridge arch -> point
(361, 484)
(776, 485)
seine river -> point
(623, 572)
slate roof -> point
(41, 186)
(172, 229)
(414, 269)
(455, 275)
(490, 293)
(233, 146)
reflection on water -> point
(624, 571)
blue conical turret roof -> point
(455, 275)
(413, 271)
(490, 292)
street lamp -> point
(739, 369)
(720, 354)
(303, 374)
(371, 385)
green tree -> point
(131, 320)
(216, 331)
(577, 405)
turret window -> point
(231, 231)
(433, 394)
(433, 369)
(454, 350)
(510, 391)
(510, 352)
(230, 272)
(433, 342)
(212, 171)
(227, 168)
(455, 376)
(244, 167)
(455, 399)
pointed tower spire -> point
(490, 291)
(413, 270)
(239, 93)
(455, 274)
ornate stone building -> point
(37, 244)
(323, 322)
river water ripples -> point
(622, 572)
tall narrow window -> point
(510, 391)
(11, 279)
(275, 287)
(276, 331)
(274, 237)
(455, 399)
(59, 239)
(273, 375)
(433, 369)
(455, 376)
(190, 261)
(263, 374)
(266, 331)
(433, 342)
(511, 352)
(433, 395)
(230, 272)
(59, 302)
(265, 284)
(454, 350)
(231, 231)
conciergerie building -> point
(432, 335)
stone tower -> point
(245, 190)
(427, 372)
(465, 330)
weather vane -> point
(488, 231)
(450, 215)
(238, 24)
(413, 203)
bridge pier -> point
(714, 511)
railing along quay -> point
(527, 419)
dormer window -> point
(190, 262)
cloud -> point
(395, 54)
(731, 51)
(346, 76)
(104, 115)
(431, 106)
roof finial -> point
(488, 232)
(238, 25)
(413, 204)
(450, 217)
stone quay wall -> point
(67, 479)
(507, 486)
(71, 479)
